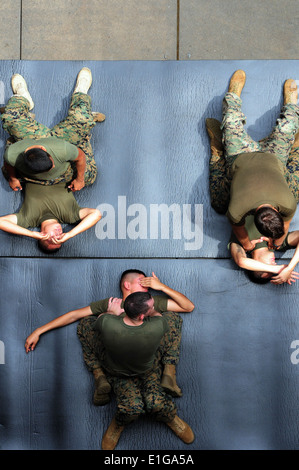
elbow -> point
(98, 215)
(190, 307)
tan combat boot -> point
(214, 131)
(168, 381)
(102, 388)
(112, 435)
(181, 429)
(290, 92)
(237, 82)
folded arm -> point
(240, 258)
(9, 223)
(288, 274)
(78, 183)
(89, 217)
(13, 181)
(242, 235)
(177, 303)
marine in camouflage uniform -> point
(75, 129)
(236, 141)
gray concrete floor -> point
(149, 30)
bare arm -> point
(177, 303)
(80, 161)
(8, 223)
(58, 322)
(242, 235)
(240, 258)
(13, 181)
(89, 217)
(287, 274)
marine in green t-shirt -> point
(258, 179)
(261, 262)
(61, 152)
(130, 349)
(48, 207)
(257, 169)
(43, 160)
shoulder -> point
(160, 303)
(99, 306)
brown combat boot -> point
(290, 92)
(102, 388)
(214, 131)
(168, 381)
(98, 117)
(181, 429)
(112, 435)
(237, 82)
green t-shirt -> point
(254, 234)
(258, 178)
(130, 350)
(252, 231)
(48, 202)
(61, 151)
(101, 306)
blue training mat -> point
(239, 363)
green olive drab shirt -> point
(61, 151)
(258, 178)
(48, 202)
(130, 350)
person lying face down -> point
(48, 207)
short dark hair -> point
(269, 222)
(137, 304)
(256, 277)
(37, 160)
(45, 250)
(126, 273)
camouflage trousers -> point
(220, 177)
(75, 128)
(168, 352)
(236, 140)
(136, 396)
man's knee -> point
(86, 325)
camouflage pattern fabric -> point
(168, 352)
(76, 129)
(136, 396)
(219, 174)
(236, 140)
